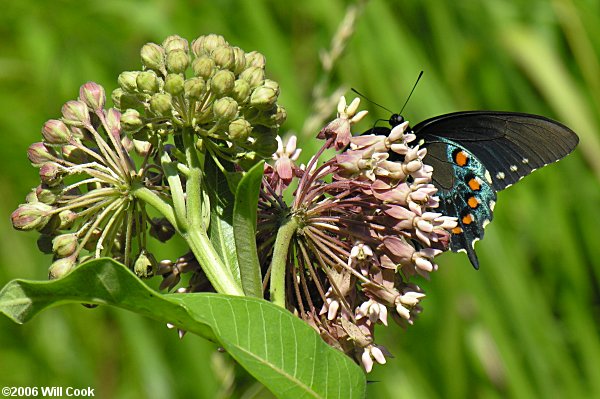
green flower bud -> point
(31, 196)
(239, 130)
(131, 121)
(64, 245)
(206, 44)
(222, 83)
(113, 122)
(153, 57)
(128, 81)
(263, 98)
(132, 101)
(51, 174)
(272, 84)
(204, 67)
(142, 148)
(280, 116)
(39, 153)
(160, 104)
(224, 57)
(79, 134)
(255, 59)
(174, 84)
(144, 265)
(241, 91)
(76, 113)
(55, 131)
(194, 87)
(177, 61)
(93, 95)
(44, 243)
(239, 63)
(74, 154)
(66, 219)
(34, 215)
(255, 76)
(175, 42)
(161, 229)
(225, 109)
(271, 117)
(48, 195)
(147, 82)
(61, 268)
(115, 96)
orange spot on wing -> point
(474, 184)
(457, 230)
(467, 219)
(461, 158)
(473, 202)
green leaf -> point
(280, 350)
(244, 230)
(221, 216)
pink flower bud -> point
(93, 95)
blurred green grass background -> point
(526, 325)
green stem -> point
(219, 276)
(194, 182)
(149, 197)
(176, 188)
(279, 261)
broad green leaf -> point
(221, 215)
(244, 230)
(280, 350)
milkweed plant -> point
(336, 241)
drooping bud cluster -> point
(216, 89)
(366, 226)
(83, 207)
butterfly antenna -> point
(371, 101)
(411, 92)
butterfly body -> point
(474, 154)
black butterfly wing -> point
(511, 145)
(476, 153)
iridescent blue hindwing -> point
(465, 191)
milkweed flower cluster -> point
(83, 207)
(362, 227)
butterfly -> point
(475, 154)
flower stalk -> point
(280, 259)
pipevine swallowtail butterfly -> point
(474, 154)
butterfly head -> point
(395, 120)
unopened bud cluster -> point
(216, 89)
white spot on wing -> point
(513, 168)
(500, 175)
(492, 205)
(474, 241)
(485, 223)
(488, 177)
(525, 161)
